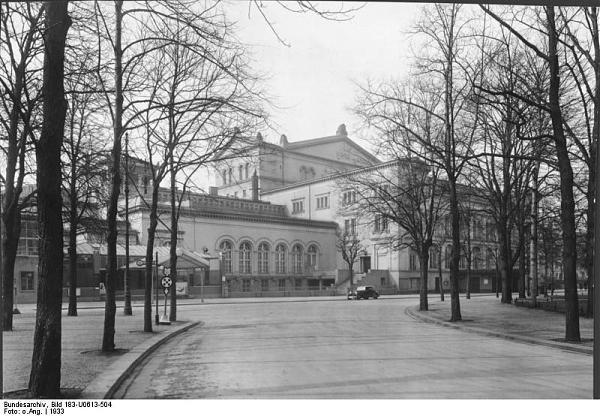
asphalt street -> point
(348, 350)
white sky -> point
(312, 81)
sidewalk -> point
(486, 315)
(81, 359)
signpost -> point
(166, 282)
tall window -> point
(297, 258)
(263, 258)
(247, 168)
(282, 284)
(413, 261)
(476, 258)
(490, 261)
(230, 175)
(246, 285)
(350, 226)
(224, 174)
(434, 253)
(28, 240)
(226, 248)
(245, 251)
(241, 172)
(26, 281)
(311, 257)
(448, 257)
(264, 285)
(280, 259)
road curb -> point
(107, 382)
(417, 315)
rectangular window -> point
(297, 206)
(323, 202)
(282, 285)
(247, 170)
(244, 194)
(230, 175)
(348, 197)
(246, 285)
(413, 261)
(298, 284)
(377, 223)
(350, 226)
(28, 239)
(240, 172)
(26, 281)
(264, 285)
(224, 175)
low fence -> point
(553, 304)
(286, 293)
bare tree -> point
(44, 380)
(20, 78)
(82, 152)
(349, 245)
(549, 54)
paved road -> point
(342, 350)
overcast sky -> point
(312, 80)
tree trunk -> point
(126, 286)
(424, 259)
(44, 380)
(504, 257)
(533, 268)
(592, 183)
(73, 253)
(149, 260)
(173, 250)
(108, 338)
(567, 212)
(454, 263)
(440, 274)
(522, 271)
(12, 229)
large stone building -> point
(270, 226)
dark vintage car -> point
(363, 292)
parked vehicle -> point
(363, 292)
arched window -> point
(297, 258)
(311, 257)
(245, 251)
(263, 258)
(434, 253)
(476, 258)
(448, 257)
(225, 249)
(280, 259)
(490, 260)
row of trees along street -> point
(171, 80)
(502, 108)
(504, 101)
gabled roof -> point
(305, 144)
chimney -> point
(255, 187)
(283, 142)
(213, 191)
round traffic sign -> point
(166, 282)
